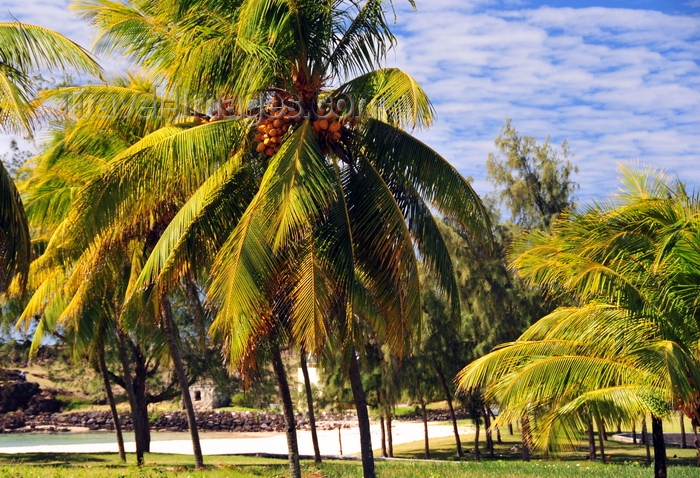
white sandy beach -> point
(264, 442)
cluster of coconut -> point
(272, 129)
(282, 113)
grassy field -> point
(627, 461)
(444, 449)
(108, 466)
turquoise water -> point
(78, 438)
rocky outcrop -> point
(18, 394)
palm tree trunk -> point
(498, 430)
(290, 422)
(591, 440)
(510, 428)
(112, 404)
(525, 429)
(383, 436)
(197, 312)
(340, 439)
(477, 452)
(170, 335)
(696, 442)
(684, 442)
(144, 425)
(358, 394)
(605, 430)
(657, 432)
(634, 433)
(310, 405)
(601, 440)
(448, 397)
(645, 439)
(489, 433)
(135, 415)
(389, 434)
(424, 412)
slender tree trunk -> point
(290, 422)
(171, 337)
(657, 432)
(130, 392)
(601, 440)
(510, 428)
(619, 426)
(634, 433)
(477, 452)
(424, 412)
(645, 439)
(381, 426)
(525, 428)
(144, 428)
(448, 397)
(358, 394)
(498, 430)
(340, 439)
(489, 432)
(605, 430)
(310, 405)
(591, 440)
(197, 312)
(389, 435)
(112, 404)
(684, 442)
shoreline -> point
(231, 443)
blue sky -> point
(619, 80)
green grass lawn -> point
(445, 449)
(627, 463)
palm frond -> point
(199, 228)
(362, 39)
(399, 155)
(15, 243)
(388, 95)
(135, 180)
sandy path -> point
(233, 443)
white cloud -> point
(617, 83)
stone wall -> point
(213, 420)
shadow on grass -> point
(509, 450)
(53, 458)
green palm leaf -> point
(27, 48)
(15, 245)
(439, 183)
(389, 95)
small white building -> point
(205, 395)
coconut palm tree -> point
(634, 258)
(25, 49)
(341, 198)
(80, 151)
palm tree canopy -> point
(29, 48)
(630, 345)
(295, 210)
(15, 245)
(23, 50)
